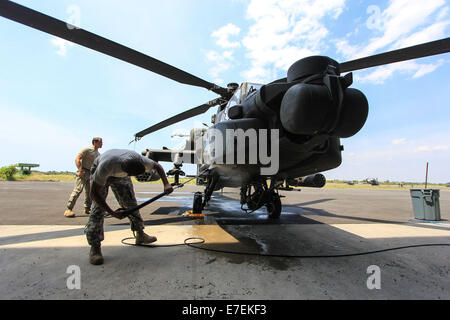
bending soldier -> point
(113, 169)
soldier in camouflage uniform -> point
(124, 193)
(83, 161)
(113, 169)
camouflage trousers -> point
(124, 193)
(80, 184)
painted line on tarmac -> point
(73, 236)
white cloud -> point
(222, 62)
(381, 74)
(443, 13)
(283, 32)
(403, 23)
(401, 159)
(399, 141)
(401, 18)
(61, 44)
(347, 50)
(224, 33)
(428, 148)
(433, 32)
(423, 69)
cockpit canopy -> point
(239, 95)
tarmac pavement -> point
(44, 255)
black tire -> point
(274, 207)
(197, 206)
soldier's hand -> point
(120, 213)
(81, 173)
(168, 189)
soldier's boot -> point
(143, 238)
(95, 255)
(69, 213)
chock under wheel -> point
(196, 212)
(191, 214)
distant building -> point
(25, 168)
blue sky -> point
(56, 96)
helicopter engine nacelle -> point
(322, 103)
(308, 109)
(313, 100)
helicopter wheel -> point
(197, 206)
(274, 207)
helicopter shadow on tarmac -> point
(221, 209)
(226, 210)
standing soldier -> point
(113, 169)
(83, 161)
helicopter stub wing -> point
(167, 155)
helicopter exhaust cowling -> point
(308, 109)
(354, 112)
(304, 108)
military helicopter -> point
(373, 181)
(308, 113)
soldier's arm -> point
(167, 186)
(95, 195)
(79, 165)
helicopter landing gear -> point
(274, 207)
(211, 185)
(176, 172)
(256, 195)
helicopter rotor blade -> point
(409, 53)
(180, 117)
(58, 28)
(415, 52)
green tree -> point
(8, 173)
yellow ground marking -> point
(387, 230)
(113, 235)
(46, 236)
(17, 230)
